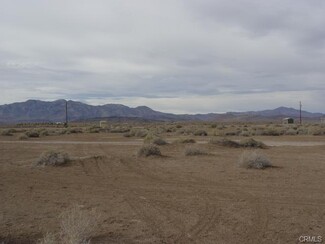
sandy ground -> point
(169, 199)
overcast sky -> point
(181, 56)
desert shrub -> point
(200, 133)
(93, 129)
(159, 141)
(291, 132)
(179, 126)
(141, 133)
(150, 137)
(244, 133)
(43, 133)
(49, 238)
(78, 225)
(185, 140)
(22, 137)
(316, 131)
(254, 160)
(224, 142)
(32, 134)
(194, 151)
(52, 158)
(119, 129)
(271, 131)
(6, 133)
(252, 143)
(75, 130)
(232, 133)
(149, 150)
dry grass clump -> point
(154, 139)
(49, 238)
(224, 142)
(252, 143)
(6, 133)
(200, 133)
(32, 134)
(77, 227)
(185, 140)
(53, 158)
(253, 160)
(22, 137)
(159, 141)
(149, 150)
(194, 151)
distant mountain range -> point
(41, 111)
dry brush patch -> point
(254, 160)
(52, 158)
(194, 151)
(77, 226)
(149, 150)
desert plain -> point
(172, 198)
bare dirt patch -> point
(172, 199)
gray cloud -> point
(176, 56)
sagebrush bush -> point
(185, 140)
(78, 225)
(149, 150)
(224, 142)
(194, 151)
(53, 158)
(49, 238)
(6, 133)
(200, 133)
(252, 143)
(32, 134)
(159, 141)
(22, 137)
(254, 160)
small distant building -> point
(103, 124)
(288, 121)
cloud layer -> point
(183, 56)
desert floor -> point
(169, 199)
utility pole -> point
(66, 114)
(300, 105)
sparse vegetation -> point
(224, 142)
(77, 226)
(200, 133)
(252, 143)
(254, 160)
(32, 134)
(185, 140)
(159, 141)
(53, 158)
(6, 133)
(149, 150)
(194, 151)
